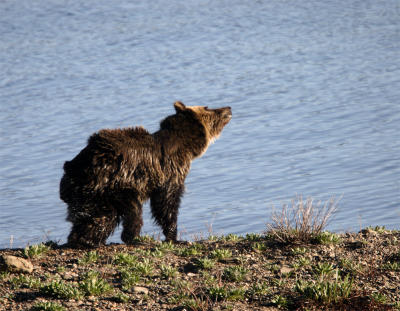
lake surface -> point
(314, 87)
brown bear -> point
(119, 169)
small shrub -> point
(93, 285)
(37, 250)
(300, 222)
(47, 306)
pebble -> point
(140, 290)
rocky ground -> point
(358, 271)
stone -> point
(15, 264)
(140, 290)
(286, 269)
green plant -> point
(25, 281)
(236, 294)
(257, 290)
(121, 297)
(377, 229)
(62, 290)
(325, 291)
(301, 262)
(300, 222)
(89, 257)
(93, 285)
(144, 239)
(129, 278)
(280, 301)
(273, 267)
(168, 272)
(47, 306)
(298, 250)
(234, 274)
(144, 268)
(195, 304)
(323, 269)
(205, 263)
(193, 250)
(157, 252)
(379, 298)
(391, 266)
(231, 237)
(125, 259)
(37, 250)
(349, 265)
(221, 254)
(327, 238)
(167, 246)
(258, 246)
(253, 237)
(218, 293)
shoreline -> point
(351, 271)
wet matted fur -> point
(119, 169)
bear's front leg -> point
(132, 222)
(164, 207)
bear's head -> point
(197, 126)
(213, 120)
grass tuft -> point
(300, 222)
(47, 306)
(62, 290)
(93, 285)
(35, 251)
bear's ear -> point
(179, 106)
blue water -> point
(314, 87)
